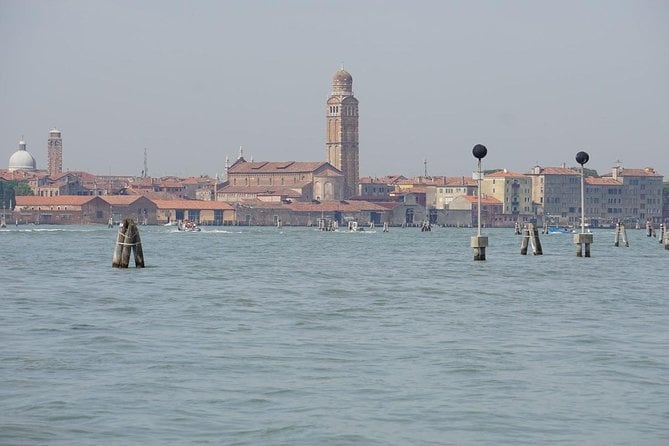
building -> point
(514, 191)
(55, 152)
(342, 133)
(556, 194)
(22, 159)
(639, 199)
(463, 212)
(306, 181)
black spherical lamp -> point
(479, 151)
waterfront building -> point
(304, 181)
(638, 199)
(463, 212)
(55, 152)
(556, 193)
(22, 159)
(440, 195)
(342, 132)
(514, 191)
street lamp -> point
(582, 238)
(479, 242)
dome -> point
(22, 159)
(342, 77)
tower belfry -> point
(342, 136)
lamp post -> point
(479, 242)
(582, 238)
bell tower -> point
(55, 152)
(341, 134)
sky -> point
(192, 81)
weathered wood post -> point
(137, 249)
(531, 237)
(582, 239)
(621, 232)
(128, 241)
(666, 240)
(661, 237)
(516, 228)
(479, 242)
(649, 228)
(385, 227)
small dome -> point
(54, 131)
(22, 159)
(342, 77)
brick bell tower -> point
(55, 152)
(341, 135)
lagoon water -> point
(266, 336)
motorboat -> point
(188, 226)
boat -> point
(188, 226)
(558, 230)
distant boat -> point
(188, 226)
(558, 230)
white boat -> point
(188, 226)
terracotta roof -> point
(602, 181)
(73, 200)
(120, 200)
(558, 171)
(504, 174)
(460, 181)
(246, 167)
(192, 204)
(647, 172)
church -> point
(286, 181)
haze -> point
(534, 81)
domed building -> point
(22, 159)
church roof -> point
(264, 167)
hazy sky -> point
(191, 81)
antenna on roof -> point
(425, 165)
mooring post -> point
(616, 238)
(661, 237)
(666, 240)
(128, 241)
(649, 228)
(534, 238)
(120, 241)
(625, 239)
(525, 241)
(385, 227)
(516, 228)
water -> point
(261, 336)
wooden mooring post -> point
(666, 240)
(128, 241)
(621, 231)
(516, 228)
(385, 227)
(649, 229)
(531, 236)
(662, 232)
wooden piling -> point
(516, 228)
(666, 240)
(127, 242)
(661, 237)
(649, 228)
(385, 227)
(531, 237)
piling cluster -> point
(127, 242)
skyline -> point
(535, 82)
